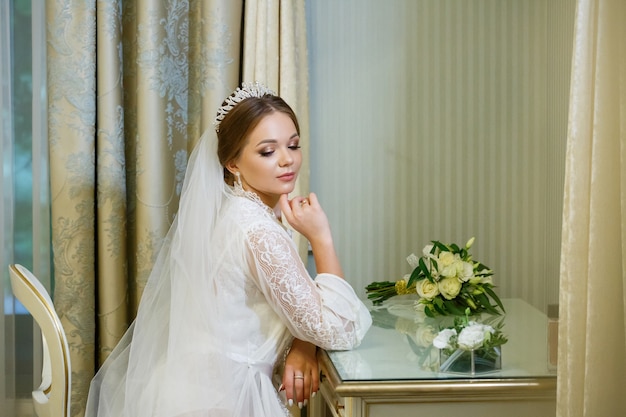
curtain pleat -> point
(214, 54)
(111, 218)
(160, 153)
(71, 133)
(592, 333)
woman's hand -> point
(301, 376)
(306, 216)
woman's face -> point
(270, 161)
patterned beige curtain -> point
(592, 333)
(132, 85)
(275, 53)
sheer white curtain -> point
(24, 211)
(592, 338)
(7, 337)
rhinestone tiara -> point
(246, 90)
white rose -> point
(465, 271)
(424, 335)
(449, 287)
(452, 269)
(442, 340)
(427, 289)
(446, 259)
(474, 335)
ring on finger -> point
(304, 201)
(298, 377)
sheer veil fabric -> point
(226, 296)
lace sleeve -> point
(327, 314)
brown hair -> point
(234, 129)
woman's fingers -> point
(285, 207)
(306, 216)
(297, 388)
(313, 199)
(302, 384)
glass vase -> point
(471, 362)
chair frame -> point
(52, 397)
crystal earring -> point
(238, 185)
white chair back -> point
(52, 397)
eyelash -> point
(269, 153)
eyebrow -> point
(275, 140)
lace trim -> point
(297, 298)
(252, 196)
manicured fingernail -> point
(290, 402)
(300, 406)
(281, 387)
(306, 402)
(313, 395)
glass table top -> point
(399, 346)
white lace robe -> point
(213, 325)
(271, 298)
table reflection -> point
(400, 344)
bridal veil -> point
(163, 372)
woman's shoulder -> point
(248, 214)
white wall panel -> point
(442, 119)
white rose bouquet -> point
(447, 281)
(482, 339)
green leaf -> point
(453, 307)
(381, 291)
(480, 266)
(440, 309)
(440, 246)
(494, 296)
(484, 302)
(455, 248)
(424, 269)
(380, 284)
(415, 275)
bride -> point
(229, 301)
